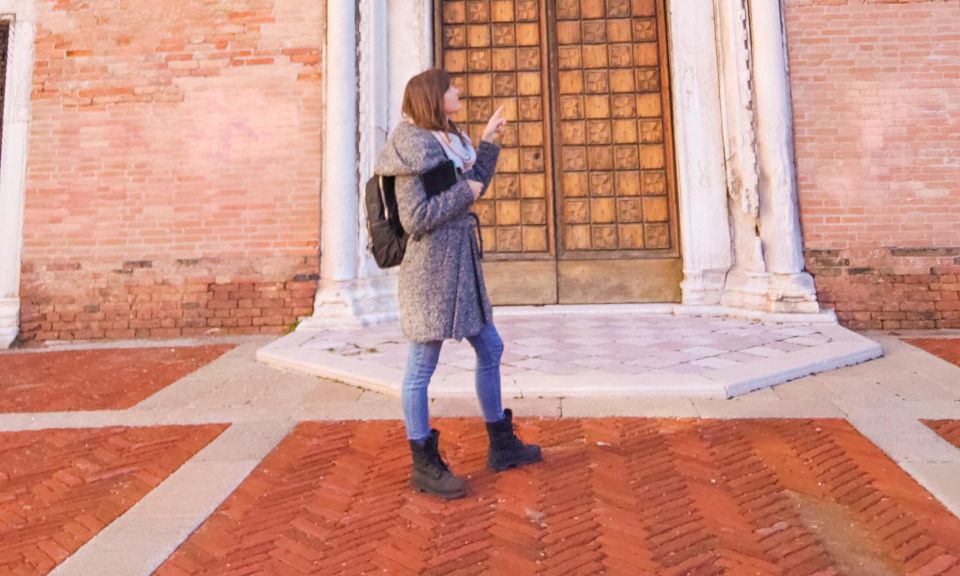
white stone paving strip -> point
(940, 479)
(933, 462)
(141, 539)
(903, 438)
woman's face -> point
(451, 101)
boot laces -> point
(442, 462)
(511, 439)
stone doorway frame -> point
(21, 16)
(740, 234)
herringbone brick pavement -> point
(949, 430)
(94, 379)
(58, 488)
(614, 496)
(946, 348)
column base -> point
(775, 293)
(7, 337)
(9, 321)
(353, 304)
(702, 287)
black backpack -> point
(388, 241)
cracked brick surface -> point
(949, 430)
(103, 379)
(946, 348)
(59, 488)
(614, 496)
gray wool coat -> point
(442, 294)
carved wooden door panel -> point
(583, 207)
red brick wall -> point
(876, 90)
(174, 168)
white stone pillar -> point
(747, 283)
(340, 193)
(374, 82)
(366, 75)
(704, 222)
(791, 289)
(337, 293)
(13, 164)
(339, 197)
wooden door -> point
(583, 207)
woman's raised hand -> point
(476, 188)
(495, 127)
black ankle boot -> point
(506, 450)
(430, 472)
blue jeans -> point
(422, 362)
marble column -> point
(704, 222)
(790, 288)
(747, 282)
(13, 164)
(373, 48)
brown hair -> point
(423, 101)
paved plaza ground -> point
(651, 350)
(190, 457)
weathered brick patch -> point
(59, 488)
(946, 348)
(877, 291)
(615, 496)
(949, 430)
(165, 298)
(107, 379)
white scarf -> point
(462, 153)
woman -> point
(442, 293)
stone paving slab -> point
(615, 496)
(570, 352)
(98, 379)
